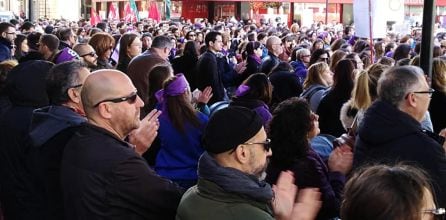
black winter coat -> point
(104, 178)
(388, 135)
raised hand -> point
(144, 136)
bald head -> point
(272, 41)
(104, 84)
(83, 49)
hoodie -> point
(48, 121)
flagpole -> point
(371, 31)
(426, 37)
(326, 12)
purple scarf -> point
(178, 87)
(256, 58)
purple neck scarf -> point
(256, 58)
(178, 87)
(241, 90)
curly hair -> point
(288, 131)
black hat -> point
(229, 127)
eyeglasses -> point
(266, 144)
(131, 98)
(278, 44)
(430, 92)
(89, 54)
(13, 33)
(438, 213)
(76, 86)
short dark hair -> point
(4, 26)
(65, 34)
(50, 40)
(161, 42)
(26, 26)
(211, 37)
(62, 77)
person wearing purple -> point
(255, 93)
(181, 128)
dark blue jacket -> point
(268, 63)
(51, 128)
(388, 135)
(5, 49)
(300, 69)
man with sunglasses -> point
(391, 131)
(102, 175)
(7, 36)
(231, 173)
(87, 55)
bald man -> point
(102, 175)
(274, 45)
(87, 55)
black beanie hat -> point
(229, 127)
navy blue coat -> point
(388, 135)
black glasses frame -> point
(131, 98)
(430, 92)
(266, 144)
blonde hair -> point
(314, 74)
(365, 89)
(439, 75)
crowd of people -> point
(222, 120)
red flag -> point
(129, 15)
(153, 11)
(94, 17)
(113, 13)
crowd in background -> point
(309, 87)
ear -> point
(242, 154)
(105, 110)
(4, 34)
(411, 100)
(74, 95)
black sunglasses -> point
(89, 54)
(131, 98)
(266, 144)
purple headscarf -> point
(241, 90)
(178, 87)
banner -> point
(362, 13)
(94, 17)
(113, 12)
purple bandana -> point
(241, 90)
(178, 87)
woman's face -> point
(318, 45)
(315, 130)
(24, 46)
(107, 53)
(327, 77)
(135, 48)
(258, 52)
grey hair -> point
(395, 83)
(301, 52)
